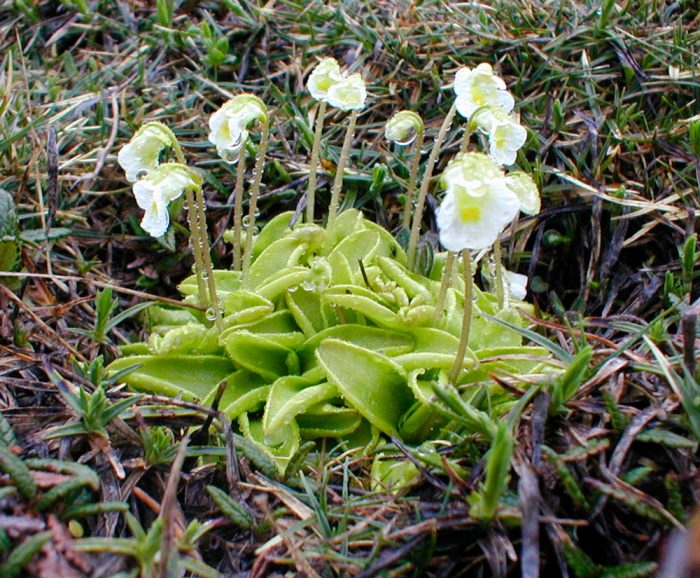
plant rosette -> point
(334, 338)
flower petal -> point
(348, 94)
(155, 192)
(526, 190)
(142, 154)
(144, 193)
(480, 87)
(477, 205)
(155, 222)
(517, 285)
(326, 74)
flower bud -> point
(403, 127)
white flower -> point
(526, 191)
(479, 87)
(478, 204)
(403, 127)
(229, 125)
(326, 74)
(142, 153)
(517, 285)
(506, 135)
(348, 94)
(156, 191)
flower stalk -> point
(425, 185)
(466, 318)
(208, 270)
(254, 193)
(238, 209)
(338, 182)
(197, 236)
(192, 221)
(415, 163)
(313, 167)
(498, 258)
(199, 241)
(445, 284)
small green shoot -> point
(484, 501)
(93, 410)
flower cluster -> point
(480, 199)
(155, 184)
(483, 98)
(327, 84)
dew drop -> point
(410, 137)
(210, 314)
(230, 154)
(246, 221)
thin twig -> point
(103, 285)
(40, 322)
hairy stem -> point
(196, 245)
(444, 286)
(208, 269)
(415, 163)
(253, 201)
(338, 182)
(500, 287)
(238, 208)
(425, 185)
(313, 167)
(466, 138)
(466, 319)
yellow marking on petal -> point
(469, 214)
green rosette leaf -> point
(190, 376)
(289, 396)
(371, 383)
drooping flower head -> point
(478, 87)
(323, 77)
(506, 135)
(478, 203)
(142, 153)
(403, 127)
(158, 189)
(230, 124)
